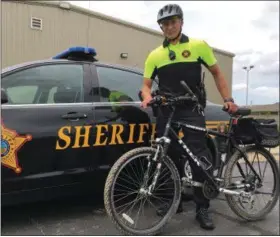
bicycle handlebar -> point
(187, 88)
(168, 98)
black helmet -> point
(169, 11)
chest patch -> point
(186, 53)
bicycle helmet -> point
(169, 10)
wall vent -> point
(36, 23)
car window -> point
(20, 93)
(118, 85)
(61, 83)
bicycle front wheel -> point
(131, 197)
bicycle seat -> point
(242, 111)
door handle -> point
(74, 116)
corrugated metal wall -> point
(66, 28)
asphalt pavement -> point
(86, 216)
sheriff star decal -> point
(11, 142)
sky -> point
(249, 29)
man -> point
(180, 58)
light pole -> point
(248, 69)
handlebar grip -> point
(187, 88)
(184, 98)
(156, 99)
(224, 109)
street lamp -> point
(248, 69)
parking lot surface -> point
(86, 216)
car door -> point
(120, 123)
(44, 124)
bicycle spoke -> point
(163, 184)
(136, 170)
(121, 194)
(134, 203)
(150, 202)
(264, 170)
(125, 187)
(160, 198)
(135, 185)
(129, 177)
(134, 174)
(121, 190)
(137, 218)
(125, 204)
(260, 199)
(161, 177)
(259, 165)
(164, 189)
(265, 193)
(137, 200)
(142, 166)
(125, 196)
(144, 207)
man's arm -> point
(146, 88)
(210, 62)
(149, 74)
(220, 81)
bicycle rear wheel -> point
(124, 178)
(263, 163)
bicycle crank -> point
(209, 190)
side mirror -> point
(4, 96)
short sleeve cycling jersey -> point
(190, 54)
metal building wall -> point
(64, 28)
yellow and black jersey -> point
(187, 65)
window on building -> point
(118, 85)
(61, 83)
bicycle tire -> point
(233, 204)
(112, 176)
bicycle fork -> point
(158, 157)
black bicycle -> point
(146, 178)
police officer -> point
(181, 58)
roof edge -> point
(107, 18)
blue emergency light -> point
(76, 52)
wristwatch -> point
(228, 100)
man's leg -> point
(173, 153)
(197, 143)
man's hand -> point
(230, 107)
(146, 101)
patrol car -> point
(67, 119)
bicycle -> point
(157, 160)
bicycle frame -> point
(230, 143)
